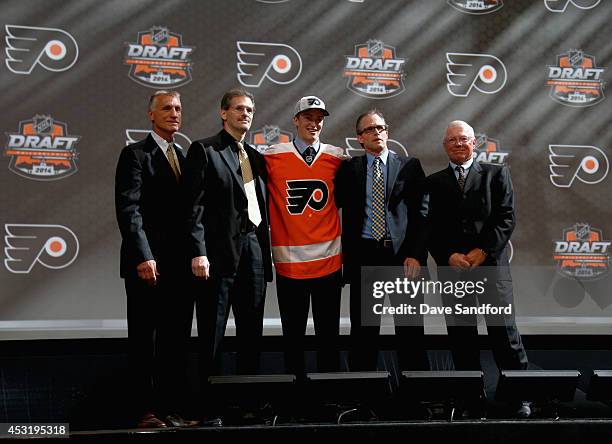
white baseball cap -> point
(310, 102)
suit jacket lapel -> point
(230, 161)
(361, 170)
(159, 159)
(393, 171)
(473, 177)
(452, 180)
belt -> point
(383, 243)
(247, 227)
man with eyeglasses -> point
(229, 237)
(306, 243)
(471, 218)
(381, 197)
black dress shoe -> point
(150, 421)
(175, 420)
(211, 422)
(524, 410)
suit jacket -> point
(218, 207)
(404, 206)
(148, 207)
(482, 216)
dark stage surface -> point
(82, 382)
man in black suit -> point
(229, 237)
(471, 218)
(154, 263)
(381, 196)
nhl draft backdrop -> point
(530, 75)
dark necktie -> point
(309, 155)
(378, 201)
(461, 177)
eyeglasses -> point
(241, 109)
(460, 140)
(374, 129)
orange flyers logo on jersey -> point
(159, 59)
(304, 221)
(262, 138)
(28, 46)
(374, 71)
(52, 246)
(582, 254)
(42, 149)
(575, 80)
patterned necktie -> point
(173, 162)
(461, 177)
(309, 155)
(378, 201)
(249, 185)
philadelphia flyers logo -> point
(588, 164)
(484, 72)
(276, 62)
(53, 246)
(561, 5)
(27, 46)
(306, 193)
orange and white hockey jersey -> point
(304, 220)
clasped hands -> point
(467, 261)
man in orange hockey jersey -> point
(306, 236)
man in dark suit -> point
(381, 196)
(154, 262)
(229, 237)
(471, 218)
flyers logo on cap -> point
(484, 72)
(476, 6)
(374, 71)
(262, 138)
(489, 150)
(306, 193)
(52, 246)
(561, 5)
(42, 149)
(354, 148)
(277, 62)
(28, 46)
(588, 164)
(135, 135)
(575, 79)
(582, 253)
(159, 59)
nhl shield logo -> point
(262, 138)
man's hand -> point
(459, 260)
(412, 268)
(147, 271)
(476, 257)
(200, 267)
